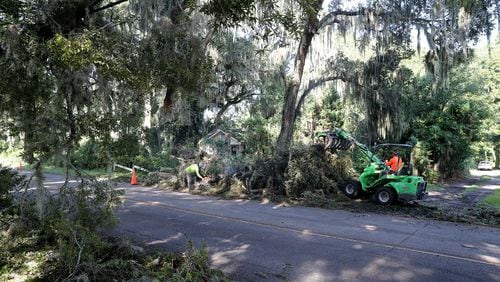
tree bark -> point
(223, 110)
(498, 18)
(110, 5)
(311, 86)
(290, 103)
(41, 191)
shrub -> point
(423, 163)
(90, 155)
(126, 149)
(4, 145)
(8, 180)
(156, 163)
(359, 159)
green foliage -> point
(89, 155)
(9, 179)
(313, 169)
(261, 126)
(72, 222)
(256, 136)
(126, 149)
(422, 162)
(156, 163)
(67, 242)
(449, 121)
(485, 69)
(359, 159)
(101, 259)
(75, 52)
(194, 266)
(317, 199)
(88, 207)
(228, 13)
(494, 199)
(172, 59)
(4, 145)
(330, 113)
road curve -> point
(254, 241)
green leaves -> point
(76, 52)
(227, 13)
(451, 121)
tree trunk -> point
(28, 117)
(41, 192)
(291, 94)
(498, 18)
(109, 164)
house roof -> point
(213, 134)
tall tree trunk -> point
(291, 94)
(41, 191)
(29, 115)
(498, 18)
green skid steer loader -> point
(377, 180)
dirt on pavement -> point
(460, 200)
(464, 193)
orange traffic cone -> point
(133, 181)
(20, 167)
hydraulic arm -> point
(376, 179)
(339, 139)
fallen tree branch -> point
(80, 247)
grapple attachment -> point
(333, 141)
(338, 144)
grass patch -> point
(61, 170)
(494, 199)
(484, 178)
(118, 176)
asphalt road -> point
(254, 241)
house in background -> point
(219, 141)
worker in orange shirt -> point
(394, 163)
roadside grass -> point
(101, 174)
(484, 178)
(12, 158)
(493, 199)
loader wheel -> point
(384, 196)
(351, 188)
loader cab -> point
(404, 151)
